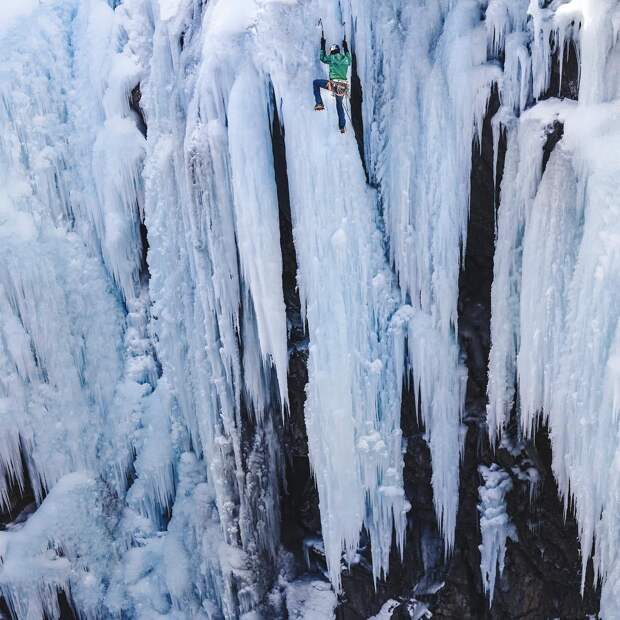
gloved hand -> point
(345, 45)
(322, 44)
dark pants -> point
(317, 85)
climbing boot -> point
(342, 130)
(318, 107)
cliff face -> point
(542, 573)
(251, 367)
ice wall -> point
(555, 317)
(143, 332)
(77, 368)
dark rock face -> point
(564, 81)
(138, 114)
(300, 502)
(357, 118)
(21, 497)
(134, 105)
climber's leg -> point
(317, 85)
(342, 121)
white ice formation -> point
(495, 525)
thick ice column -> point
(583, 413)
(353, 405)
(551, 237)
(183, 282)
(256, 216)
(519, 187)
(212, 214)
(352, 409)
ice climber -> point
(337, 84)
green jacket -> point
(338, 64)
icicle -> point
(429, 350)
(542, 29)
(256, 216)
(501, 18)
(495, 525)
(549, 243)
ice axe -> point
(320, 23)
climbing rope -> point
(346, 104)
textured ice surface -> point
(555, 309)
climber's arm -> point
(345, 46)
(345, 49)
(324, 57)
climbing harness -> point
(338, 88)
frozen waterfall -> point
(145, 387)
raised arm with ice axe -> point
(339, 63)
